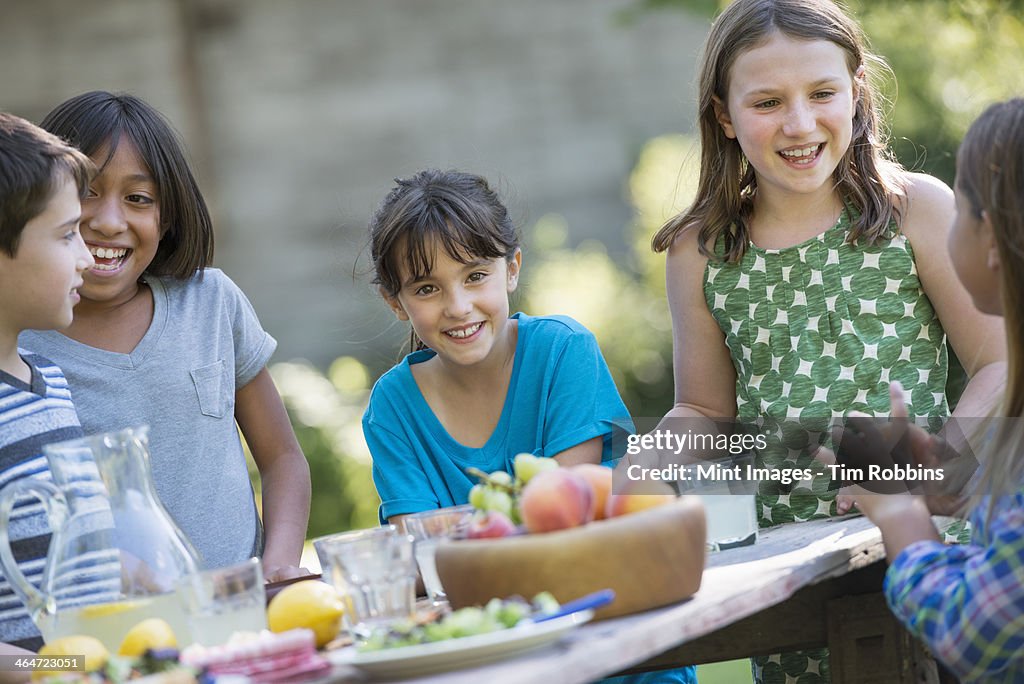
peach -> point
(490, 525)
(556, 500)
(600, 479)
(636, 497)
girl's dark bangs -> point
(96, 132)
(110, 126)
(417, 258)
(459, 238)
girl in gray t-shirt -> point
(159, 338)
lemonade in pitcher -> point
(109, 622)
(116, 556)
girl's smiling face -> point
(460, 310)
(790, 106)
(120, 224)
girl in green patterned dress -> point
(811, 271)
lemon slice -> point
(104, 609)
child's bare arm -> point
(705, 380)
(284, 473)
(585, 452)
(978, 339)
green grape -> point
(478, 497)
(499, 501)
(500, 478)
(526, 466)
(516, 517)
(502, 502)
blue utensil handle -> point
(595, 600)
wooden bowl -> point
(651, 558)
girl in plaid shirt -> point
(967, 602)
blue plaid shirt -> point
(967, 602)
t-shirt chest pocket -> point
(210, 389)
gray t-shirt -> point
(204, 343)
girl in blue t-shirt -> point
(480, 386)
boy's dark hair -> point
(31, 164)
(458, 210)
(95, 122)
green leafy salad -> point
(498, 614)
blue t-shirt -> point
(560, 394)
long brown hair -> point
(866, 177)
(990, 177)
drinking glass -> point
(729, 502)
(428, 528)
(226, 600)
(375, 569)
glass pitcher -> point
(116, 556)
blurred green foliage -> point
(326, 410)
(951, 59)
(623, 304)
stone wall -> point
(298, 114)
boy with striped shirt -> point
(42, 259)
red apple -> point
(490, 525)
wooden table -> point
(802, 585)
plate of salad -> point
(465, 638)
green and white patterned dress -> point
(816, 331)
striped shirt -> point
(967, 602)
(31, 415)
